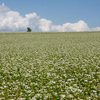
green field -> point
(50, 66)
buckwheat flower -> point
(70, 87)
(94, 91)
(70, 96)
(85, 80)
(69, 79)
(5, 86)
(89, 98)
(1, 88)
(46, 97)
(79, 90)
(37, 95)
(64, 75)
(33, 98)
(29, 91)
(62, 96)
(48, 74)
(55, 93)
(75, 85)
(66, 82)
(22, 99)
(2, 93)
(52, 82)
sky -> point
(49, 15)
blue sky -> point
(59, 11)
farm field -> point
(50, 66)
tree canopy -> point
(29, 29)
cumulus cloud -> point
(3, 9)
(79, 26)
(95, 29)
(12, 21)
(45, 25)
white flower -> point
(55, 93)
(70, 96)
(69, 79)
(48, 74)
(22, 98)
(62, 96)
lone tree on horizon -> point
(29, 29)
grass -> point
(50, 66)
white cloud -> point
(3, 9)
(95, 29)
(79, 26)
(45, 25)
(12, 21)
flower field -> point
(50, 66)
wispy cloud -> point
(12, 21)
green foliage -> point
(29, 29)
(50, 66)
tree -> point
(29, 29)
